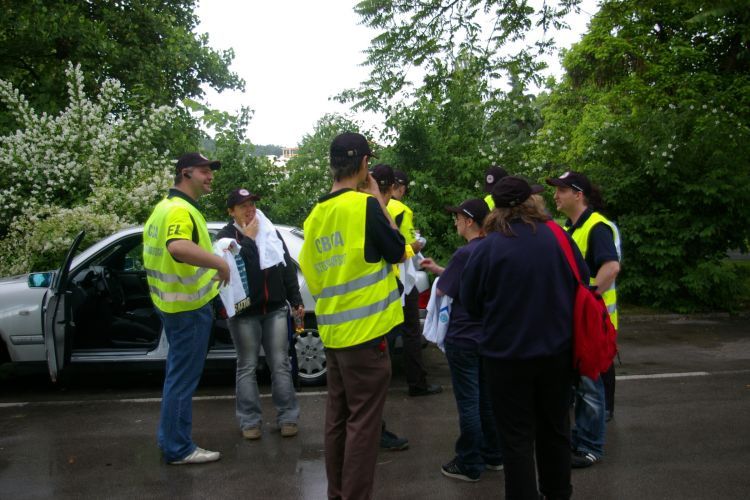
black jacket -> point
(270, 288)
(522, 289)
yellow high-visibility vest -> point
(490, 202)
(406, 227)
(355, 301)
(581, 237)
(176, 286)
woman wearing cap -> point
(519, 283)
(477, 444)
(271, 283)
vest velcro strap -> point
(181, 296)
(359, 312)
(174, 278)
(355, 284)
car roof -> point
(293, 237)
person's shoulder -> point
(398, 204)
(227, 231)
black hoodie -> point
(270, 288)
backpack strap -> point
(562, 240)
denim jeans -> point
(188, 333)
(477, 443)
(248, 333)
(590, 427)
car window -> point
(123, 255)
(134, 259)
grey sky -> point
(294, 55)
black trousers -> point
(530, 400)
(608, 378)
(416, 375)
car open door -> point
(57, 315)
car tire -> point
(311, 358)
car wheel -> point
(311, 358)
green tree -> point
(306, 176)
(149, 46)
(83, 168)
(503, 37)
(446, 139)
(240, 167)
(654, 107)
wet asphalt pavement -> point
(681, 430)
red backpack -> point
(594, 335)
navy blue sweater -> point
(523, 290)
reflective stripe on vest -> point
(356, 301)
(581, 237)
(174, 278)
(355, 284)
(176, 286)
(360, 312)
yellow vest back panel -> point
(355, 301)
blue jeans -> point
(590, 426)
(248, 333)
(477, 443)
(188, 333)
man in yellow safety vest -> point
(182, 275)
(598, 239)
(347, 258)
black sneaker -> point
(582, 459)
(391, 442)
(427, 390)
(454, 470)
(498, 466)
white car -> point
(96, 309)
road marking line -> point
(662, 375)
(141, 400)
(321, 393)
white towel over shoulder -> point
(438, 317)
(270, 247)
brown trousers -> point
(357, 387)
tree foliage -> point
(503, 36)
(149, 46)
(240, 167)
(306, 176)
(445, 140)
(83, 168)
(654, 107)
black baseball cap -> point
(573, 180)
(240, 195)
(383, 174)
(196, 160)
(351, 144)
(474, 208)
(510, 191)
(401, 177)
(492, 175)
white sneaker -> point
(198, 456)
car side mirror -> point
(40, 280)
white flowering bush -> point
(92, 167)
